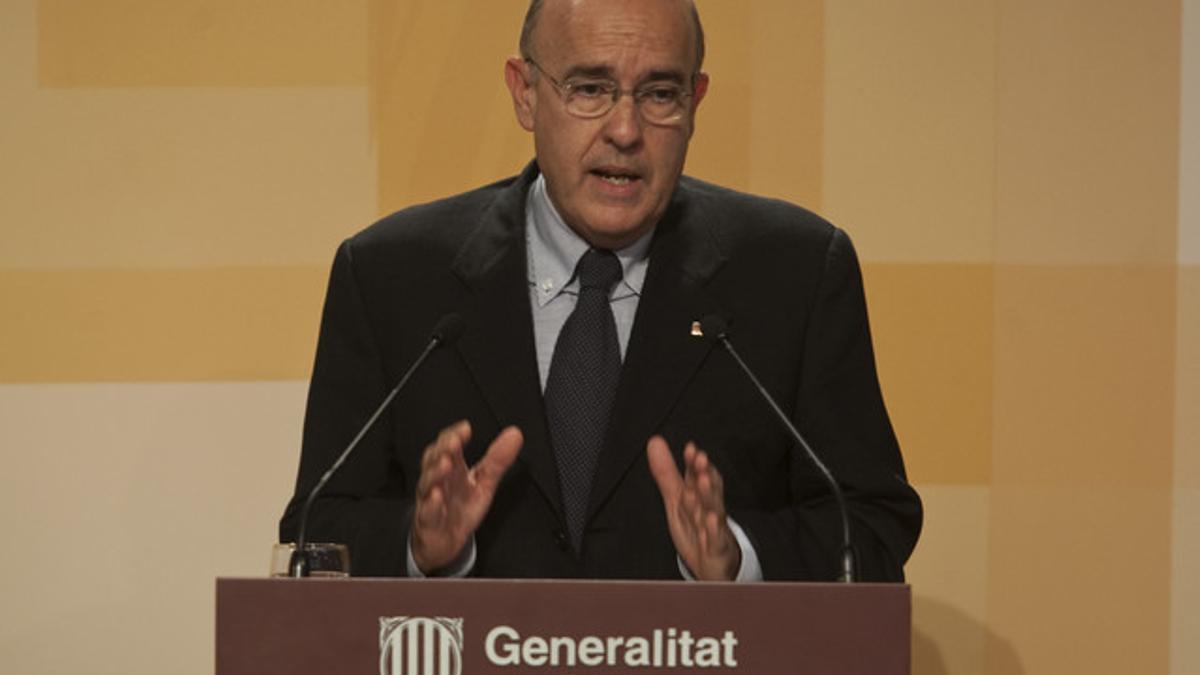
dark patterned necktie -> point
(582, 384)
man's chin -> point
(606, 231)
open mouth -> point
(617, 178)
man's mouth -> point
(615, 177)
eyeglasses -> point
(661, 103)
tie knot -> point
(598, 268)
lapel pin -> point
(696, 330)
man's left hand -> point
(695, 504)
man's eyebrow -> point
(666, 76)
(593, 71)
(606, 73)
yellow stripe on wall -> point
(159, 325)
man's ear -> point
(516, 72)
(698, 92)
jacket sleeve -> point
(840, 411)
(366, 504)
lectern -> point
(474, 626)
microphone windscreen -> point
(448, 329)
(714, 326)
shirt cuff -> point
(750, 569)
(461, 567)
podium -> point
(473, 626)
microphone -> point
(716, 329)
(446, 332)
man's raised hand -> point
(695, 505)
(452, 499)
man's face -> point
(610, 177)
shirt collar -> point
(554, 249)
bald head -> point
(535, 10)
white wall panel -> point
(121, 503)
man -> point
(580, 428)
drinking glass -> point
(324, 560)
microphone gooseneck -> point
(447, 331)
(716, 329)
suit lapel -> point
(498, 345)
(662, 353)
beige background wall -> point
(1021, 178)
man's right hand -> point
(453, 499)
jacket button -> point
(560, 538)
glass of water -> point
(324, 560)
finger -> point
(715, 542)
(449, 439)
(691, 511)
(702, 540)
(711, 501)
(704, 482)
(709, 485)
(461, 430)
(431, 510)
(444, 457)
(434, 473)
(723, 545)
(717, 480)
(710, 513)
(715, 495)
(454, 438)
(663, 469)
(458, 464)
(713, 526)
(701, 463)
(689, 464)
(700, 468)
(431, 454)
(500, 456)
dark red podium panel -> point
(442, 626)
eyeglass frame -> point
(564, 92)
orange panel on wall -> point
(159, 325)
(1085, 360)
(201, 42)
(760, 128)
(442, 117)
(932, 326)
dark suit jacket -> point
(787, 281)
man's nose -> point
(623, 127)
